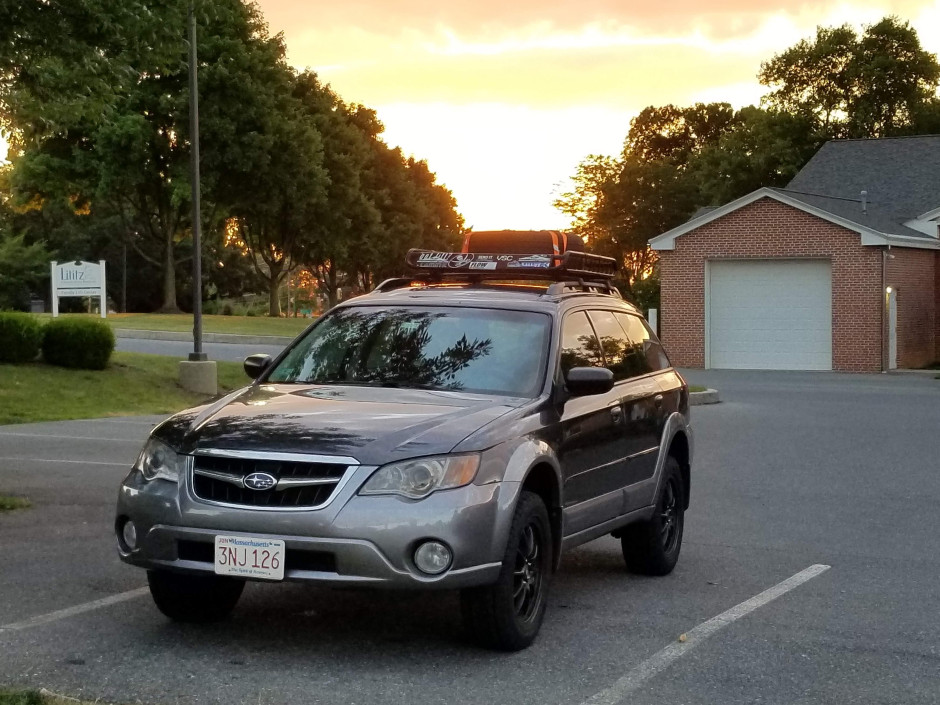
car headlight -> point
(419, 478)
(158, 460)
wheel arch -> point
(544, 480)
(680, 449)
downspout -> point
(885, 256)
(884, 305)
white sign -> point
(78, 279)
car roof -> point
(509, 296)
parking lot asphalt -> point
(791, 470)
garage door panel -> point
(770, 314)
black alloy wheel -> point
(652, 547)
(507, 615)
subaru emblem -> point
(260, 481)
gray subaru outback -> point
(459, 428)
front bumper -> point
(352, 541)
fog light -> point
(129, 534)
(433, 557)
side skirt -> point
(607, 527)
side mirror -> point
(256, 364)
(585, 381)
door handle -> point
(658, 400)
(616, 413)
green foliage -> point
(872, 85)
(8, 504)
(22, 268)
(645, 292)
(20, 337)
(21, 697)
(80, 343)
(765, 148)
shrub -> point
(20, 337)
(227, 310)
(78, 342)
(210, 307)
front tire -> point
(652, 547)
(194, 598)
(508, 614)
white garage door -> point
(769, 315)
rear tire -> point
(508, 614)
(652, 547)
(194, 598)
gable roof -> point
(900, 175)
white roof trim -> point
(667, 241)
(930, 215)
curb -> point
(709, 396)
(207, 337)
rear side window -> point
(579, 346)
(621, 357)
(644, 343)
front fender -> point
(511, 464)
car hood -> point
(372, 425)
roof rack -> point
(572, 270)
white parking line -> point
(663, 659)
(72, 611)
(75, 462)
(70, 438)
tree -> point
(23, 265)
(273, 185)
(95, 94)
(871, 85)
(765, 148)
(674, 134)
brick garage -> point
(839, 270)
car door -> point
(637, 392)
(591, 449)
(648, 413)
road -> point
(792, 470)
(235, 352)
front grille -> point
(295, 559)
(301, 484)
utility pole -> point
(197, 355)
(198, 373)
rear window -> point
(458, 349)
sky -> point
(504, 99)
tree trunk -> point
(275, 270)
(274, 299)
(169, 279)
(331, 286)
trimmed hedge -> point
(20, 337)
(81, 343)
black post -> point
(197, 354)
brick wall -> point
(767, 229)
(913, 273)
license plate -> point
(245, 557)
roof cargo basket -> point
(576, 271)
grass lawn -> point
(183, 323)
(697, 388)
(133, 383)
(8, 504)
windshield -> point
(461, 349)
